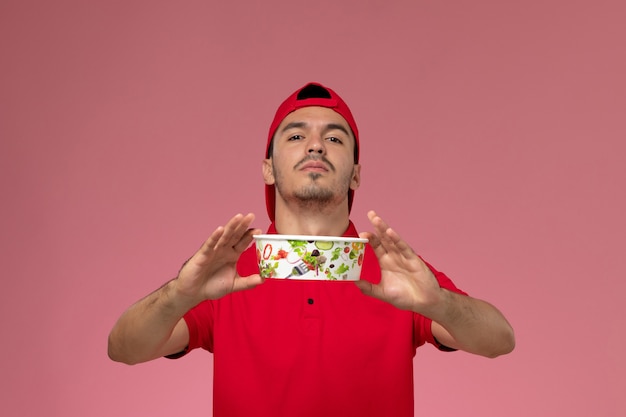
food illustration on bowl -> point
(310, 257)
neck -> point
(302, 221)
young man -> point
(309, 348)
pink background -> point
(493, 139)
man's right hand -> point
(211, 272)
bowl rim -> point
(309, 237)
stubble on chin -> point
(313, 192)
(313, 196)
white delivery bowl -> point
(324, 258)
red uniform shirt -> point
(310, 348)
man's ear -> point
(356, 177)
(268, 171)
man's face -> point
(312, 163)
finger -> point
(376, 221)
(369, 289)
(382, 228)
(374, 243)
(379, 224)
(235, 229)
(246, 283)
(364, 286)
(371, 238)
(222, 236)
(212, 241)
(400, 245)
(390, 240)
(244, 232)
(243, 227)
(245, 240)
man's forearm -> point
(474, 325)
(146, 328)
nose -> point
(316, 145)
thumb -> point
(246, 283)
(366, 287)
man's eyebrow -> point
(329, 126)
(337, 126)
(293, 125)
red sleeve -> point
(200, 324)
(423, 330)
(200, 319)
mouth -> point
(314, 166)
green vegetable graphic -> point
(321, 245)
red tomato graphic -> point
(267, 251)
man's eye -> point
(295, 137)
(334, 139)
